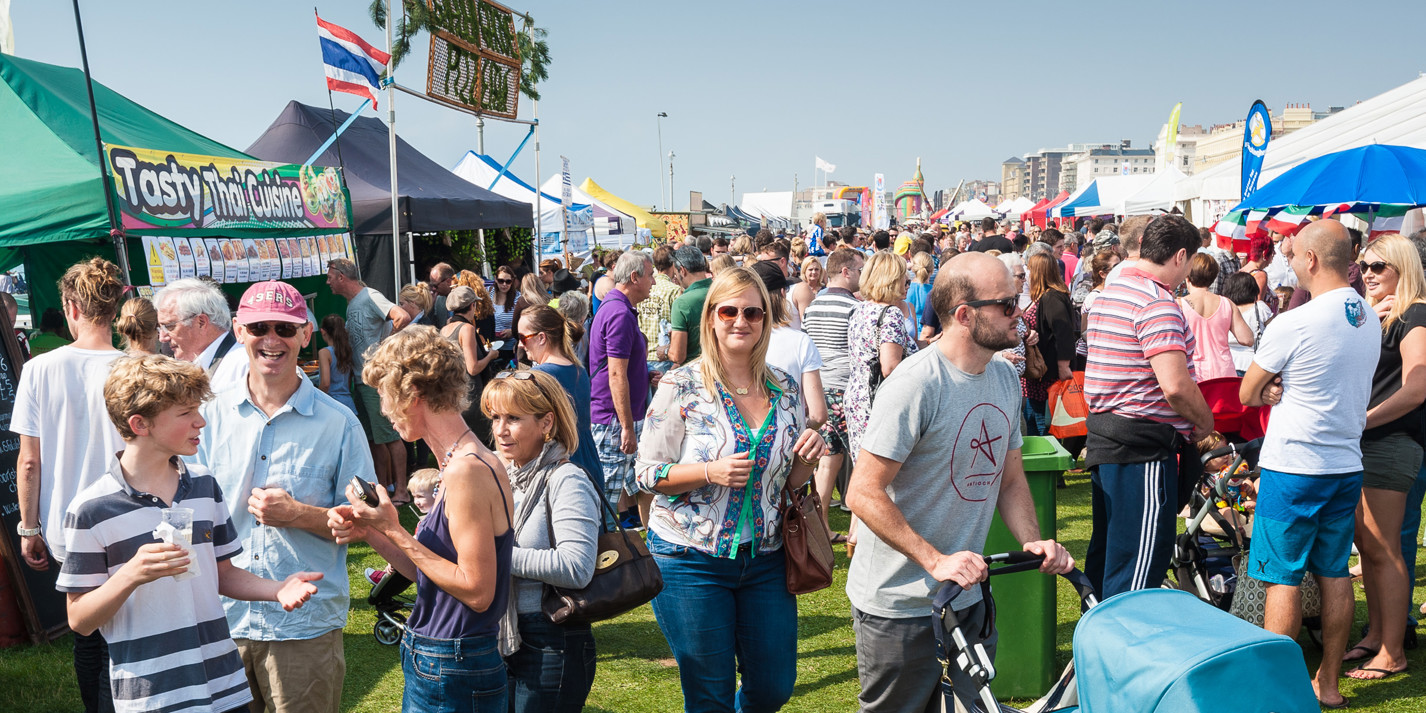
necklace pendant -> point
(741, 392)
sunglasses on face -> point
(499, 281)
(286, 330)
(524, 338)
(1375, 268)
(1007, 304)
(729, 313)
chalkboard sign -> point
(40, 603)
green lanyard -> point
(745, 513)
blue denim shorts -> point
(457, 675)
(1303, 524)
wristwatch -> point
(26, 531)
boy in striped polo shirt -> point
(1144, 410)
(169, 646)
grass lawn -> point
(637, 672)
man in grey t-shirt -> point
(367, 315)
(950, 410)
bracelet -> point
(706, 479)
(804, 461)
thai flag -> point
(352, 65)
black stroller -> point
(387, 597)
(1203, 555)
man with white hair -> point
(195, 323)
(619, 374)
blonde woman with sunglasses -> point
(723, 436)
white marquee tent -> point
(483, 170)
(1155, 197)
(973, 209)
(1397, 116)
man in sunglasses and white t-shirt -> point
(283, 452)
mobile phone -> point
(368, 491)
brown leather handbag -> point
(1035, 366)
(625, 577)
(806, 542)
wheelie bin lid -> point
(1044, 454)
(1165, 650)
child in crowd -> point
(422, 484)
(1284, 297)
(122, 579)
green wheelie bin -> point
(1025, 602)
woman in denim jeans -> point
(556, 536)
(460, 554)
(723, 435)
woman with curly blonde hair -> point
(460, 554)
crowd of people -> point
(684, 390)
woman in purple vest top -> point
(460, 554)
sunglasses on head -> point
(286, 330)
(729, 313)
(516, 375)
(1008, 304)
(1375, 268)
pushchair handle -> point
(1016, 562)
(1248, 450)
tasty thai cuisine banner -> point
(166, 191)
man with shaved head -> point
(1323, 355)
(950, 409)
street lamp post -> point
(661, 116)
(670, 181)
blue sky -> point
(756, 89)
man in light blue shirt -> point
(283, 452)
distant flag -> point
(7, 30)
(824, 166)
(352, 65)
(1257, 131)
(1171, 139)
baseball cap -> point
(1105, 239)
(903, 243)
(271, 301)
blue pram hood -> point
(1167, 651)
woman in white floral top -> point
(722, 437)
(878, 327)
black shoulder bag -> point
(875, 378)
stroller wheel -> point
(387, 631)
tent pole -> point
(480, 232)
(121, 251)
(539, 231)
(391, 135)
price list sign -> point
(475, 57)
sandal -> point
(1345, 703)
(1385, 673)
(838, 538)
(1370, 652)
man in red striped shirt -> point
(1144, 411)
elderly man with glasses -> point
(443, 278)
(194, 324)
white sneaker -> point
(374, 575)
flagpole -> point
(391, 135)
(535, 247)
(121, 252)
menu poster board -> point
(200, 258)
(314, 261)
(168, 257)
(235, 260)
(285, 256)
(294, 248)
(217, 266)
(324, 250)
(186, 266)
(274, 262)
(41, 606)
(255, 266)
(347, 247)
(154, 260)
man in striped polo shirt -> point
(1144, 411)
(826, 322)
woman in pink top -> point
(1211, 317)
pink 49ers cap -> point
(271, 301)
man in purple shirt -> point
(619, 388)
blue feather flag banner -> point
(1257, 130)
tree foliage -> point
(415, 17)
